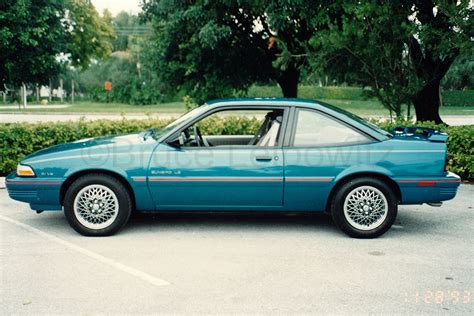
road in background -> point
(35, 107)
(229, 263)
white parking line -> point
(117, 265)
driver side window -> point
(250, 127)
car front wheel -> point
(97, 205)
(364, 208)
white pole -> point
(72, 91)
(61, 85)
(24, 96)
(50, 91)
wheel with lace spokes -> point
(97, 205)
(364, 208)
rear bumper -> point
(41, 194)
(428, 189)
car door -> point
(318, 149)
(217, 178)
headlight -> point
(24, 171)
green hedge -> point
(458, 98)
(21, 139)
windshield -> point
(358, 119)
(193, 113)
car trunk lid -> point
(419, 133)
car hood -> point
(89, 145)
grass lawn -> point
(359, 107)
(373, 107)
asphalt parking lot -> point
(265, 264)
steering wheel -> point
(197, 133)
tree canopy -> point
(367, 41)
(215, 48)
(126, 25)
(37, 36)
(89, 35)
(29, 43)
(461, 74)
(400, 49)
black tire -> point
(119, 195)
(348, 226)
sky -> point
(115, 6)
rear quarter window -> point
(315, 129)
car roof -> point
(262, 101)
(290, 102)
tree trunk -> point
(427, 102)
(288, 82)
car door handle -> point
(263, 158)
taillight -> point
(446, 163)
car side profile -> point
(303, 156)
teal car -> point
(302, 156)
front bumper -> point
(428, 189)
(40, 193)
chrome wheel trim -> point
(96, 206)
(365, 208)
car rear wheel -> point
(97, 205)
(364, 208)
